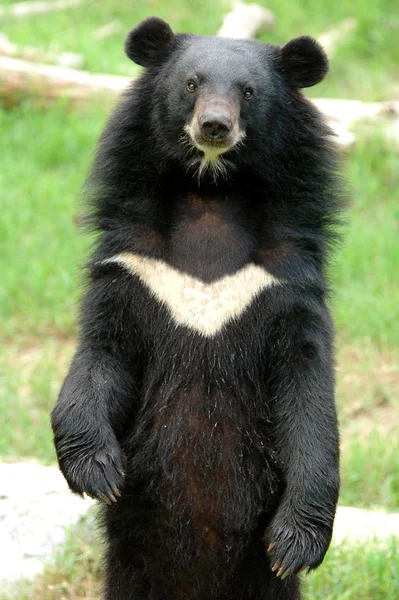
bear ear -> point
(150, 42)
(303, 62)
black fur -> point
(304, 62)
(150, 42)
(224, 446)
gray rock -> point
(35, 508)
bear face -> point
(213, 94)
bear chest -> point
(202, 264)
(200, 306)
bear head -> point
(212, 96)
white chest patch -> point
(203, 307)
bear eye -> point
(248, 93)
(191, 86)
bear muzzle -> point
(215, 127)
(214, 134)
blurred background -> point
(46, 145)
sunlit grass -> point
(45, 156)
(365, 275)
(356, 572)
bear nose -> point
(215, 127)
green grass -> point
(369, 470)
(32, 373)
(45, 156)
(361, 572)
(366, 303)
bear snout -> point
(215, 126)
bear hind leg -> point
(255, 581)
(125, 576)
(125, 581)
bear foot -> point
(297, 544)
(99, 472)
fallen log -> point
(107, 30)
(245, 21)
(330, 39)
(349, 112)
(64, 59)
(21, 78)
(24, 9)
(358, 526)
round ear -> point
(150, 42)
(303, 62)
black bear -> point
(200, 403)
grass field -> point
(45, 155)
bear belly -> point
(211, 484)
(212, 471)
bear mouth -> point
(212, 151)
(211, 160)
(213, 148)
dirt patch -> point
(368, 389)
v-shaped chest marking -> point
(203, 307)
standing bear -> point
(199, 406)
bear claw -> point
(276, 565)
(296, 544)
(111, 497)
(283, 573)
(98, 474)
(104, 499)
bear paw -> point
(297, 544)
(98, 472)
